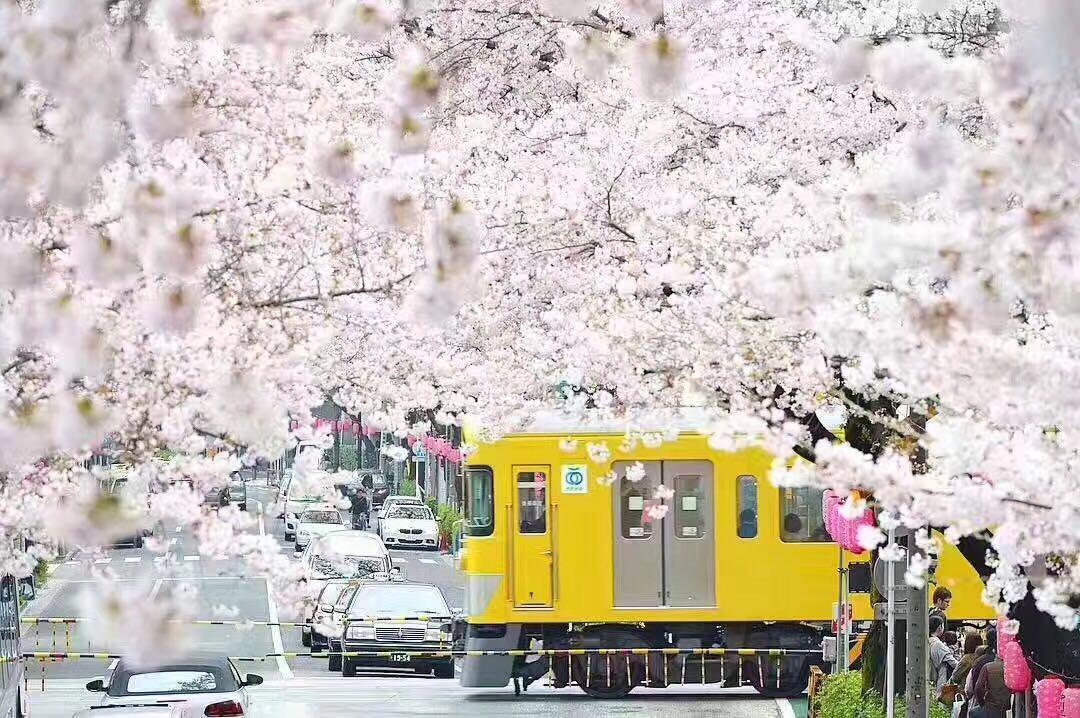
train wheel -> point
(794, 677)
(612, 675)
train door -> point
(531, 538)
(689, 566)
(639, 546)
(664, 559)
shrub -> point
(408, 488)
(841, 697)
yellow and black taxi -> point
(398, 625)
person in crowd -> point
(992, 695)
(972, 643)
(949, 639)
(989, 655)
(942, 599)
(942, 660)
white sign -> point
(575, 479)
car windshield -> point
(348, 566)
(398, 600)
(187, 680)
(320, 517)
(410, 512)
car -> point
(426, 627)
(236, 492)
(315, 521)
(200, 685)
(390, 501)
(346, 554)
(322, 614)
(216, 497)
(294, 504)
(409, 525)
(132, 710)
(380, 490)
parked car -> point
(383, 600)
(409, 525)
(132, 710)
(317, 520)
(200, 685)
(236, 492)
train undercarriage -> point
(675, 656)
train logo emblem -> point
(575, 479)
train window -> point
(633, 512)
(480, 501)
(690, 509)
(801, 519)
(747, 506)
(532, 502)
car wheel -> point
(348, 669)
(335, 663)
(445, 669)
(305, 638)
(289, 536)
(137, 541)
(296, 548)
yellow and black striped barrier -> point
(248, 623)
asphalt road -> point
(303, 687)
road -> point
(303, 687)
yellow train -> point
(562, 552)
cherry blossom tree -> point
(217, 213)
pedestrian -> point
(988, 656)
(942, 660)
(991, 693)
(972, 643)
(942, 599)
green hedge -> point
(841, 697)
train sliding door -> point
(531, 538)
(664, 557)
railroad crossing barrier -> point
(775, 655)
(247, 623)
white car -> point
(409, 525)
(392, 501)
(346, 554)
(202, 686)
(317, 520)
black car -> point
(380, 489)
(425, 627)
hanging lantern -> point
(1005, 634)
(1071, 704)
(1017, 671)
(1051, 695)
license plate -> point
(399, 657)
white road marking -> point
(179, 529)
(427, 560)
(156, 589)
(275, 631)
(784, 706)
(103, 560)
(192, 558)
(133, 559)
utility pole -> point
(917, 644)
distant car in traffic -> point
(236, 492)
(409, 525)
(346, 554)
(316, 521)
(427, 628)
(380, 490)
(392, 501)
(200, 686)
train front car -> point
(687, 562)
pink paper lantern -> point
(1050, 694)
(831, 502)
(1017, 670)
(1004, 636)
(1071, 704)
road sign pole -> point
(917, 642)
